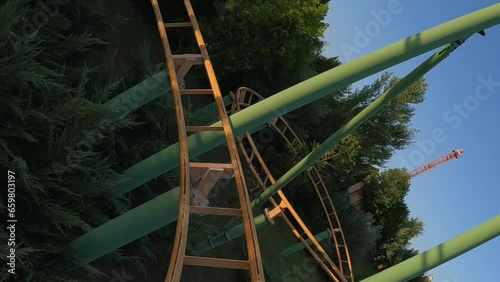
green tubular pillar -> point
(440, 254)
(135, 224)
(313, 89)
(140, 94)
(148, 90)
(366, 113)
(128, 227)
(141, 221)
(299, 246)
(234, 233)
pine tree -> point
(56, 134)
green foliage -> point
(359, 227)
(384, 195)
(322, 63)
(199, 229)
(267, 45)
(389, 129)
(64, 145)
(384, 191)
(397, 249)
(271, 272)
(50, 130)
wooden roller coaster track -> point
(244, 97)
(192, 173)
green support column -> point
(128, 227)
(230, 235)
(366, 113)
(313, 89)
(140, 94)
(299, 246)
(139, 222)
(441, 253)
(146, 91)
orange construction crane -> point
(439, 161)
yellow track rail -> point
(245, 97)
(178, 66)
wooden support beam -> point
(216, 262)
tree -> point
(63, 144)
(384, 195)
(322, 63)
(266, 45)
(397, 249)
(385, 190)
(359, 228)
(390, 128)
(50, 128)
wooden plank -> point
(216, 262)
(196, 91)
(215, 210)
(196, 128)
(185, 24)
(210, 165)
(195, 59)
(185, 67)
(187, 57)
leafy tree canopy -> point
(267, 45)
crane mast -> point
(439, 161)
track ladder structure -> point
(194, 175)
(335, 229)
(245, 97)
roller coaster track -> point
(244, 97)
(196, 174)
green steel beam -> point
(366, 113)
(137, 223)
(230, 235)
(299, 246)
(140, 94)
(313, 89)
(128, 227)
(149, 89)
(440, 254)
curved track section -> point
(196, 179)
(245, 97)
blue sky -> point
(462, 193)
